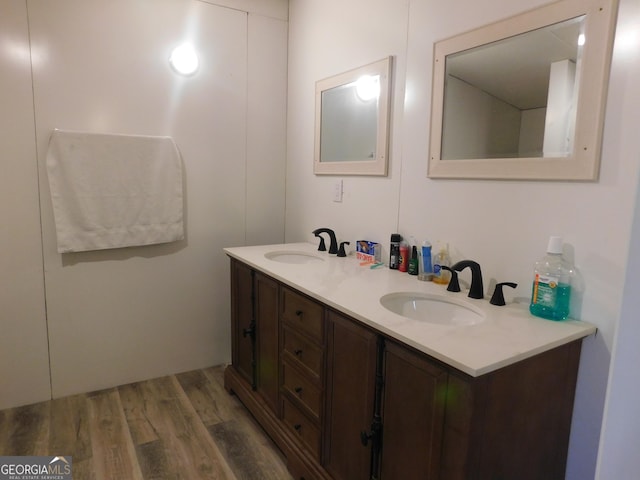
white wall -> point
(266, 124)
(24, 362)
(487, 126)
(532, 132)
(327, 38)
(117, 316)
(504, 225)
(618, 455)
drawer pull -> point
(298, 390)
(299, 313)
(297, 427)
(297, 352)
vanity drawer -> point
(302, 313)
(301, 427)
(303, 351)
(298, 386)
(298, 470)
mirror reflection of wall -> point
(514, 98)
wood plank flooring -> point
(183, 426)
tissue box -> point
(368, 252)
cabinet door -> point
(242, 325)
(266, 308)
(351, 368)
(412, 415)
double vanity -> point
(359, 372)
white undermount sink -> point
(429, 308)
(290, 256)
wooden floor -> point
(182, 426)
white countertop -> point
(507, 334)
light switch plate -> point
(337, 191)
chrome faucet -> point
(476, 290)
(333, 247)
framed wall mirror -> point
(524, 98)
(352, 121)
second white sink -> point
(432, 308)
(290, 256)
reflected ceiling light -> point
(184, 59)
(368, 87)
(581, 39)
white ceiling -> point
(516, 69)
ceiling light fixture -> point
(184, 59)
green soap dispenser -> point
(551, 292)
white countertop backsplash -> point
(508, 333)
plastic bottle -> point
(404, 257)
(426, 265)
(413, 261)
(440, 275)
(551, 292)
(394, 251)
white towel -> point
(112, 191)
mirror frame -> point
(379, 165)
(584, 162)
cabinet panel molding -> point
(415, 392)
(351, 362)
(266, 308)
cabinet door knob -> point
(298, 390)
(299, 313)
(297, 427)
(365, 437)
(248, 331)
(297, 352)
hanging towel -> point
(112, 191)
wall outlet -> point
(337, 191)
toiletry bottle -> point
(404, 257)
(426, 264)
(413, 261)
(440, 275)
(394, 251)
(551, 292)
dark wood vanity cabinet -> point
(267, 353)
(254, 325)
(351, 385)
(303, 369)
(344, 401)
(385, 407)
(242, 321)
(513, 422)
(413, 408)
